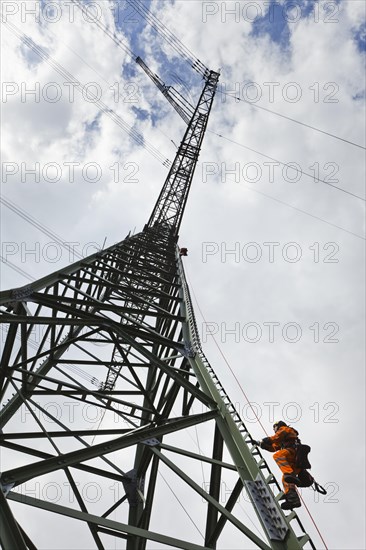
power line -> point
(254, 412)
(304, 212)
(121, 44)
(81, 88)
(292, 120)
(171, 38)
(181, 504)
(37, 224)
(17, 269)
(112, 35)
(187, 55)
(117, 41)
(286, 164)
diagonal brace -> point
(252, 536)
(100, 521)
(22, 474)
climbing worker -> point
(183, 252)
(284, 443)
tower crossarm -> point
(116, 332)
(169, 208)
(183, 107)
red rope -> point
(255, 414)
(313, 520)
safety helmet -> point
(279, 424)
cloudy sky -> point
(276, 252)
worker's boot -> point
(292, 500)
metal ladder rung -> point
(303, 539)
(270, 479)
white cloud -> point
(324, 63)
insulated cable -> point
(313, 521)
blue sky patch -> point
(30, 56)
(141, 114)
(277, 21)
(92, 130)
(359, 96)
(94, 125)
(360, 37)
(173, 71)
(273, 24)
(130, 23)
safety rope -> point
(242, 390)
(314, 523)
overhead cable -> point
(169, 37)
(37, 224)
(290, 165)
(81, 88)
(293, 120)
(304, 212)
(112, 35)
(179, 102)
(16, 268)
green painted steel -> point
(247, 467)
(100, 521)
(116, 332)
(10, 535)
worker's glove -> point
(254, 442)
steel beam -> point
(22, 474)
(10, 535)
(230, 517)
(103, 522)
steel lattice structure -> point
(116, 332)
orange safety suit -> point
(284, 443)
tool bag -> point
(307, 480)
(302, 460)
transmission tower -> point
(116, 333)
